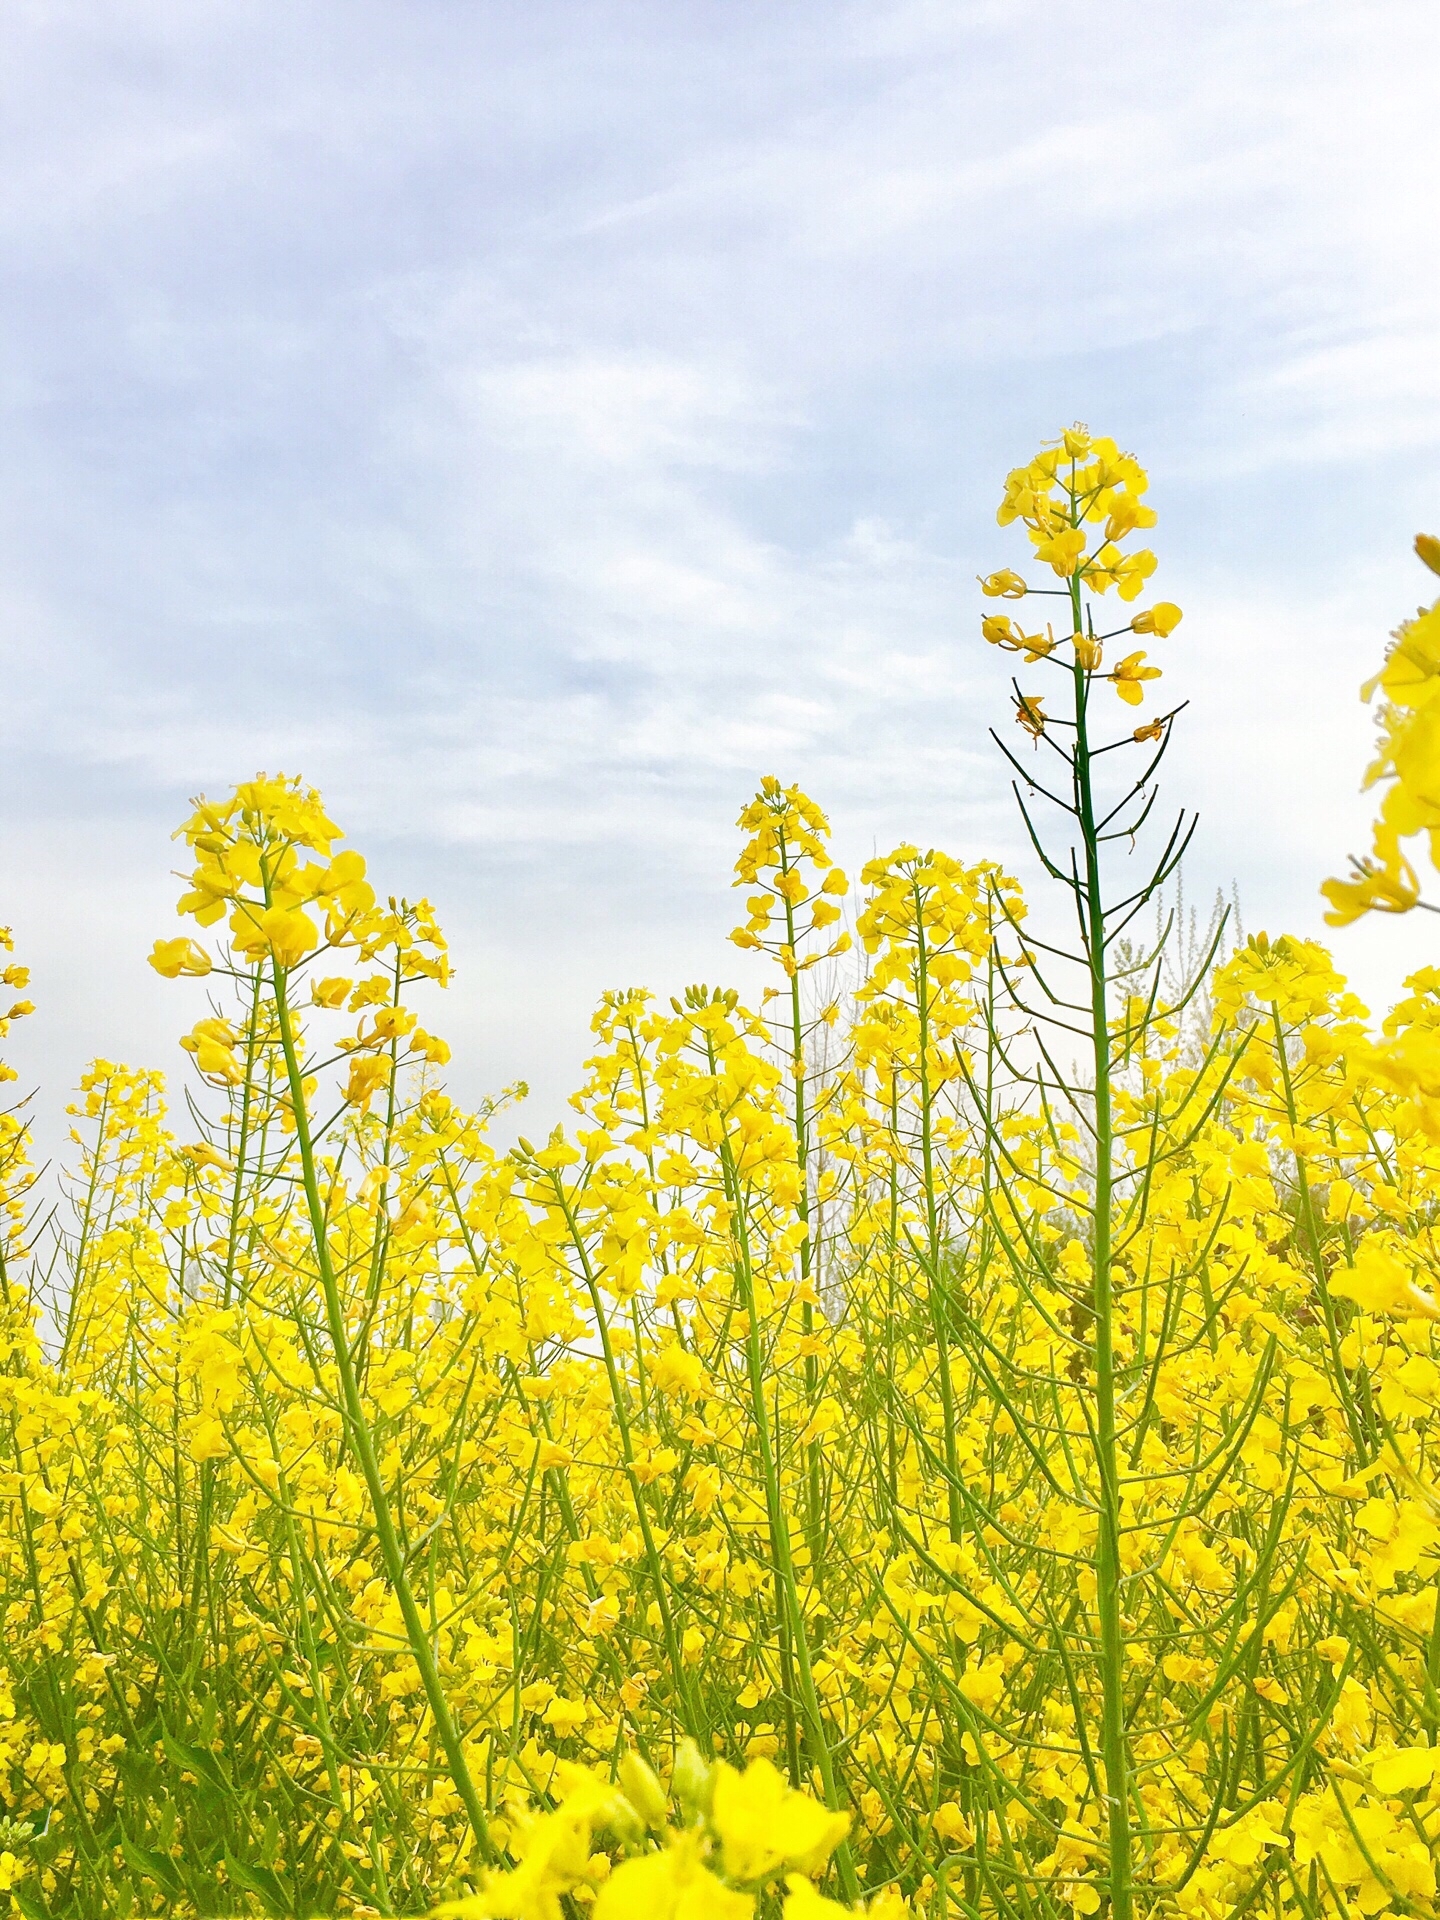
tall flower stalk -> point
(1079, 483)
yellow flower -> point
(1381, 1283)
(368, 1073)
(564, 1716)
(284, 933)
(1000, 631)
(950, 1823)
(1064, 549)
(174, 957)
(983, 1684)
(643, 1790)
(673, 1885)
(1029, 713)
(1127, 573)
(429, 1047)
(764, 1824)
(1088, 650)
(1161, 619)
(1128, 675)
(1126, 515)
(1404, 1769)
(1004, 585)
(1243, 1842)
(213, 1044)
(802, 1902)
(342, 884)
(1373, 889)
(207, 1440)
(1428, 548)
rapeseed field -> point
(954, 1437)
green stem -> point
(1114, 1737)
(814, 1519)
(1313, 1246)
(782, 1553)
(692, 1710)
(363, 1444)
(937, 1293)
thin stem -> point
(363, 1444)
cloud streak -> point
(537, 424)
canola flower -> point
(857, 1462)
(1408, 762)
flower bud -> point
(1426, 545)
(692, 1780)
(643, 1790)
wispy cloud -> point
(537, 423)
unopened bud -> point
(692, 1780)
(643, 1790)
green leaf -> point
(270, 1838)
(30, 1903)
(195, 1760)
(260, 1881)
(158, 1867)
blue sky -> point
(537, 422)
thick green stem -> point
(1114, 1735)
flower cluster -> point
(1078, 482)
(1408, 760)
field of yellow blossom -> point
(956, 1437)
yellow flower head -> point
(1128, 675)
(787, 861)
(1161, 619)
(171, 958)
(764, 1824)
(1408, 759)
(1383, 1283)
(802, 1902)
(673, 1885)
(1063, 549)
(1372, 889)
(282, 933)
(1001, 631)
(1004, 585)
(1030, 714)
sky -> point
(536, 422)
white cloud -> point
(536, 424)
